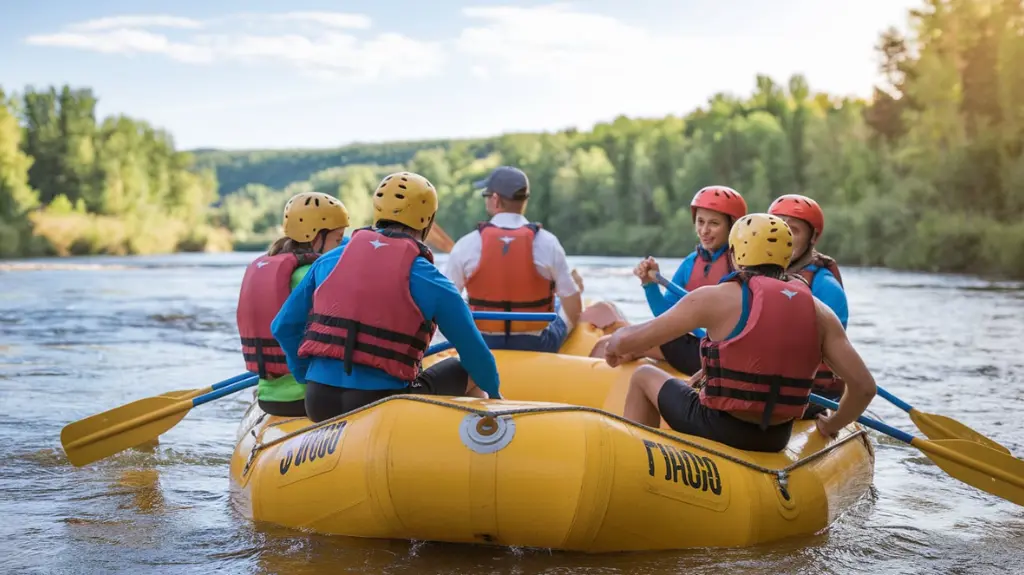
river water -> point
(85, 335)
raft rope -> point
(781, 475)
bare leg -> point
(604, 315)
(642, 398)
(473, 391)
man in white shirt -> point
(511, 264)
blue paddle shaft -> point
(894, 400)
(514, 316)
(231, 380)
(439, 347)
(249, 381)
(681, 293)
(873, 424)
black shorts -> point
(683, 353)
(682, 410)
(295, 408)
(446, 377)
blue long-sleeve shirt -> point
(432, 292)
(660, 302)
(826, 288)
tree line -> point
(927, 174)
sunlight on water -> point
(79, 337)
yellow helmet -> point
(406, 198)
(309, 212)
(759, 239)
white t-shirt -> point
(548, 257)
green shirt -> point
(284, 388)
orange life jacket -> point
(825, 381)
(364, 313)
(768, 369)
(708, 272)
(265, 287)
(507, 279)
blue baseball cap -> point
(506, 181)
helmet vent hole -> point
(789, 244)
(300, 219)
(773, 240)
(404, 179)
(380, 194)
(717, 194)
(402, 186)
(317, 202)
(400, 196)
(775, 230)
(307, 201)
(323, 219)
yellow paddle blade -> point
(187, 393)
(121, 428)
(942, 427)
(988, 469)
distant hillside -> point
(278, 168)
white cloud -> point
(126, 41)
(151, 21)
(328, 19)
(587, 67)
(318, 48)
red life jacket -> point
(830, 384)
(363, 312)
(706, 272)
(820, 260)
(769, 367)
(507, 279)
(265, 287)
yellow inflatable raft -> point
(564, 471)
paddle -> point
(111, 432)
(939, 426)
(439, 239)
(678, 291)
(514, 316)
(190, 393)
(977, 465)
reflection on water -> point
(81, 336)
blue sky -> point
(317, 73)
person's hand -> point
(578, 279)
(825, 426)
(644, 268)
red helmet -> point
(720, 199)
(802, 207)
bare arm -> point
(572, 307)
(685, 316)
(844, 360)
